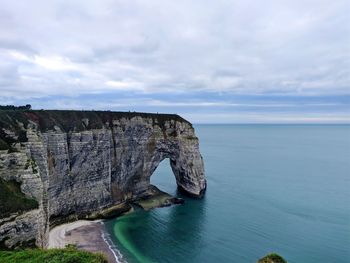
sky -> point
(237, 61)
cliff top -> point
(16, 120)
(69, 120)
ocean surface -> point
(271, 188)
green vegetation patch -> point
(70, 120)
(9, 119)
(67, 255)
(31, 163)
(13, 200)
(13, 107)
(272, 258)
(3, 145)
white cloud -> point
(55, 63)
(175, 54)
(125, 85)
(19, 56)
(296, 47)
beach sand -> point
(86, 235)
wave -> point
(116, 253)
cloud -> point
(125, 85)
(176, 53)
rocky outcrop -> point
(78, 163)
(272, 258)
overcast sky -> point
(210, 61)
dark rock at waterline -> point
(154, 197)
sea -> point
(271, 188)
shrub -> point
(272, 258)
(71, 255)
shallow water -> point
(271, 188)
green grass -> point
(13, 200)
(70, 120)
(272, 258)
(67, 255)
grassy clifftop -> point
(67, 255)
(69, 120)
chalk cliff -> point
(74, 164)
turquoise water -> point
(271, 188)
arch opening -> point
(163, 177)
(161, 186)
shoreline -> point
(86, 235)
(92, 236)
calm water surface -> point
(271, 188)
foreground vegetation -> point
(67, 255)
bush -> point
(272, 258)
(22, 136)
(13, 107)
(70, 255)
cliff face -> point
(77, 163)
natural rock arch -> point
(177, 142)
(186, 164)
